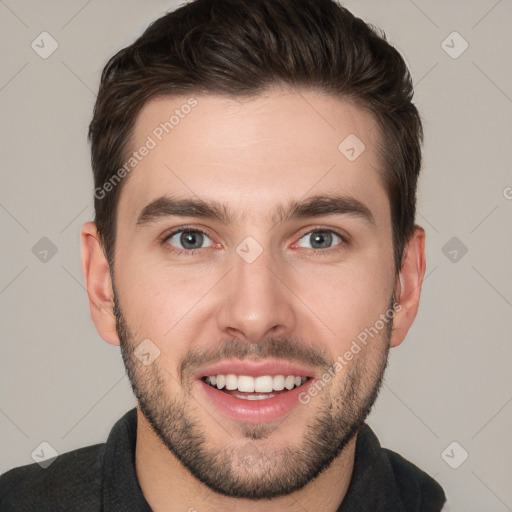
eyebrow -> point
(316, 206)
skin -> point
(252, 155)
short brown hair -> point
(242, 47)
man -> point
(255, 256)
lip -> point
(255, 369)
(253, 411)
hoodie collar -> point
(382, 480)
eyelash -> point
(180, 252)
(192, 252)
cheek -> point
(347, 300)
(157, 298)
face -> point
(249, 245)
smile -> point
(245, 387)
(254, 390)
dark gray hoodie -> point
(102, 478)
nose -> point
(255, 303)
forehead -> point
(253, 153)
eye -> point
(189, 239)
(320, 239)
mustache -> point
(276, 347)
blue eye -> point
(189, 240)
(320, 239)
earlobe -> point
(98, 282)
(408, 286)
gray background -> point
(449, 381)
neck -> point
(167, 485)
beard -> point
(246, 468)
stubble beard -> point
(242, 468)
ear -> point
(408, 286)
(98, 283)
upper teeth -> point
(262, 384)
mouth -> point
(253, 392)
(246, 387)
